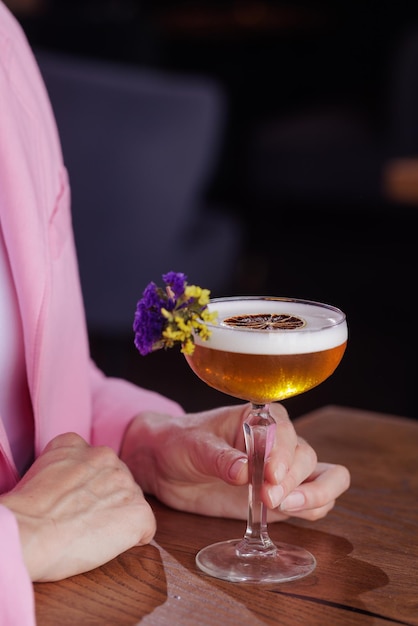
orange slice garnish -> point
(266, 321)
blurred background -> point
(261, 147)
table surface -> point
(366, 549)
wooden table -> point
(366, 548)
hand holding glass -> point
(263, 350)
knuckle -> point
(320, 512)
(104, 455)
(69, 439)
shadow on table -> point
(337, 583)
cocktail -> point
(262, 350)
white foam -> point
(325, 327)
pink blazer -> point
(68, 391)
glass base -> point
(287, 562)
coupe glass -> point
(265, 349)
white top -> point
(15, 405)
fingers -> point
(282, 455)
(295, 483)
(228, 458)
(316, 496)
(290, 462)
(288, 477)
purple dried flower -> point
(149, 321)
(170, 316)
(177, 282)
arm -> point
(115, 402)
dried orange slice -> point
(265, 321)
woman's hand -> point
(77, 507)
(198, 463)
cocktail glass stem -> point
(259, 432)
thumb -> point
(214, 457)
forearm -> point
(115, 402)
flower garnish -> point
(165, 317)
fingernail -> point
(276, 495)
(294, 501)
(236, 467)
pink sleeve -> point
(17, 604)
(116, 402)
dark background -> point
(315, 117)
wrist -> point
(138, 449)
(28, 528)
